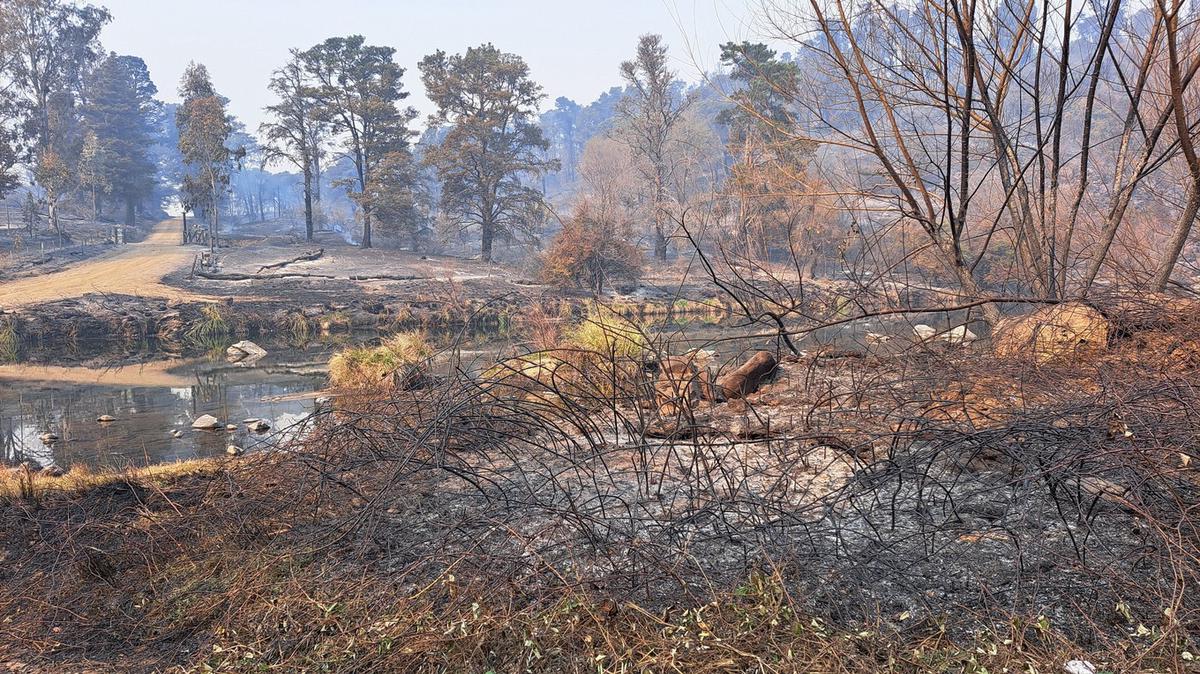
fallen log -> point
(747, 378)
(237, 276)
(308, 256)
(385, 277)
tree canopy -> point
(494, 145)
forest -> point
(863, 341)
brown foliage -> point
(590, 252)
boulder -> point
(960, 336)
(206, 422)
(231, 427)
(259, 426)
(234, 450)
(1051, 332)
(923, 332)
(245, 350)
(176, 433)
(106, 418)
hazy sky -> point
(573, 47)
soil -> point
(135, 269)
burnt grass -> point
(937, 510)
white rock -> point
(206, 422)
(877, 338)
(234, 450)
(1079, 667)
(923, 331)
(176, 433)
(231, 427)
(259, 426)
(959, 335)
(106, 418)
(245, 350)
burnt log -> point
(747, 378)
(309, 256)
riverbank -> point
(939, 509)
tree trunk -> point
(366, 242)
(214, 223)
(1180, 237)
(184, 240)
(130, 211)
(660, 239)
(52, 212)
(489, 233)
(308, 205)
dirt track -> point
(136, 269)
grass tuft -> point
(367, 366)
(9, 343)
(606, 332)
(211, 332)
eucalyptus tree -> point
(493, 146)
(293, 131)
(204, 132)
(357, 89)
(46, 47)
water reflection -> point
(154, 406)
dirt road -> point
(136, 269)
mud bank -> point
(78, 329)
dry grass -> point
(607, 333)
(416, 531)
(212, 574)
(18, 482)
(371, 366)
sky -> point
(573, 47)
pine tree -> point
(493, 146)
(121, 113)
(358, 90)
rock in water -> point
(206, 422)
(259, 426)
(231, 427)
(106, 418)
(234, 450)
(245, 350)
(48, 438)
(923, 332)
(176, 433)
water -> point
(156, 401)
(153, 403)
